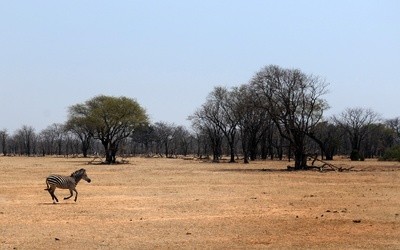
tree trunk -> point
(355, 155)
(264, 148)
(3, 144)
(110, 153)
(108, 157)
(246, 157)
(166, 149)
(216, 147)
(232, 150)
(300, 158)
(329, 155)
(113, 156)
(245, 149)
(252, 147)
(85, 148)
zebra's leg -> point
(70, 191)
(53, 196)
(76, 195)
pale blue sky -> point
(169, 55)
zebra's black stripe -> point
(66, 182)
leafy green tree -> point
(109, 119)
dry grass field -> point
(189, 204)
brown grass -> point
(172, 203)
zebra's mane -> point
(78, 172)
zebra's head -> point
(80, 174)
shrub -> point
(355, 155)
(391, 154)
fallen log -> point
(328, 165)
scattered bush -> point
(355, 155)
(391, 154)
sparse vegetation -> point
(391, 154)
(277, 115)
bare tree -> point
(294, 102)
(356, 122)
(205, 126)
(219, 113)
(52, 139)
(219, 109)
(394, 125)
(164, 132)
(202, 140)
(81, 129)
(377, 140)
(143, 137)
(328, 136)
(25, 138)
(253, 122)
(46, 142)
(183, 140)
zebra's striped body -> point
(65, 182)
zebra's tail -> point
(48, 187)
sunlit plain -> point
(174, 203)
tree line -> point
(278, 114)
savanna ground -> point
(186, 204)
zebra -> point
(65, 182)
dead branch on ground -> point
(328, 166)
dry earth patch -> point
(181, 204)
